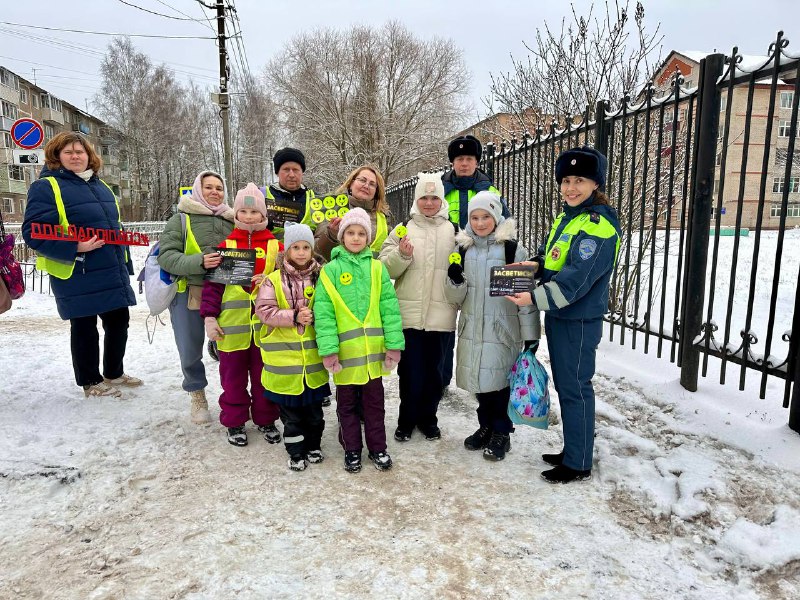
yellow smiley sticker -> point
(330, 214)
(341, 200)
(343, 211)
(346, 278)
(260, 253)
(318, 216)
(315, 203)
(455, 258)
(329, 202)
(309, 292)
(401, 231)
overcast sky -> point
(488, 31)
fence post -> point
(697, 247)
(490, 161)
(601, 128)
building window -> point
(49, 132)
(16, 173)
(104, 150)
(8, 205)
(784, 127)
(8, 79)
(794, 185)
(792, 210)
(34, 101)
(723, 103)
(7, 141)
(687, 83)
(23, 95)
(9, 110)
(719, 159)
(786, 99)
(51, 102)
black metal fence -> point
(687, 167)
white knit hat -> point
(428, 184)
(489, 202)
(355, 216)
(297, 232)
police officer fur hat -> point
(285, 155)
(582, 162)
(466, 145)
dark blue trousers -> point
(420, 373)
(447, 362)
(573, 345)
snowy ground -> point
(693, 496)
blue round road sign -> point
(27, 134)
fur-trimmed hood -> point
(191, 207)
(505, 231)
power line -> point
(30, 62)
(152, 12)
(144, 35)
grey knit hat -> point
(297, 232)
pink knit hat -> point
(250, 197)
(355, 216)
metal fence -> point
(681, 166)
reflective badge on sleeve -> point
(587, 248)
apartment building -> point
(22, 98)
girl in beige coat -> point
(416, 254)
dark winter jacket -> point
(580, 289)
(458, 191)
(101, 279)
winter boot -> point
(297, 462)
(101, 389)
(125, 380)
(381, 460)
(237, 436)
(479, 439)
(326, 401)
(553, 459)
(315, 456)
(562, 474)
(352, 461)
(271, 433)
(402, 435)
(499, 444)
(432, 433)
(200, 414)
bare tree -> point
(368, 95)
(589, 59)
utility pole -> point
(224, 103)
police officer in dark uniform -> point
(289, 191)
(576, 263)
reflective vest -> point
(361, 345)
(291, 360)
(454, 203)
(190, 246)
(557, 250)
(58, 268)
(381, 232)
(240, 327)
(305, 220)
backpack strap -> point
(511, 250)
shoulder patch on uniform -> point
(565, 237)
(587, 248)
(594, 217)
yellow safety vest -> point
(557, 250)
(361, 345)
(305, 220)
(236, 319)
(190, 246)
(58, 268)
(291, 360)
(380, 234)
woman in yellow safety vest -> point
(88, 278)
(365, 189)
(360, 336)
(188, 252)
(229, 315)
(294, 377)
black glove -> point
(456, 273)
(532, 345)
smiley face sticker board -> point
(327, 208)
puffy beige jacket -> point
(419, 280)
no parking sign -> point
(27, 133)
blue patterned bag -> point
(530, 398)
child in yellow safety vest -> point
(228, 313)
(294, 377)
(360, 336)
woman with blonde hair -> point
(365, 189)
